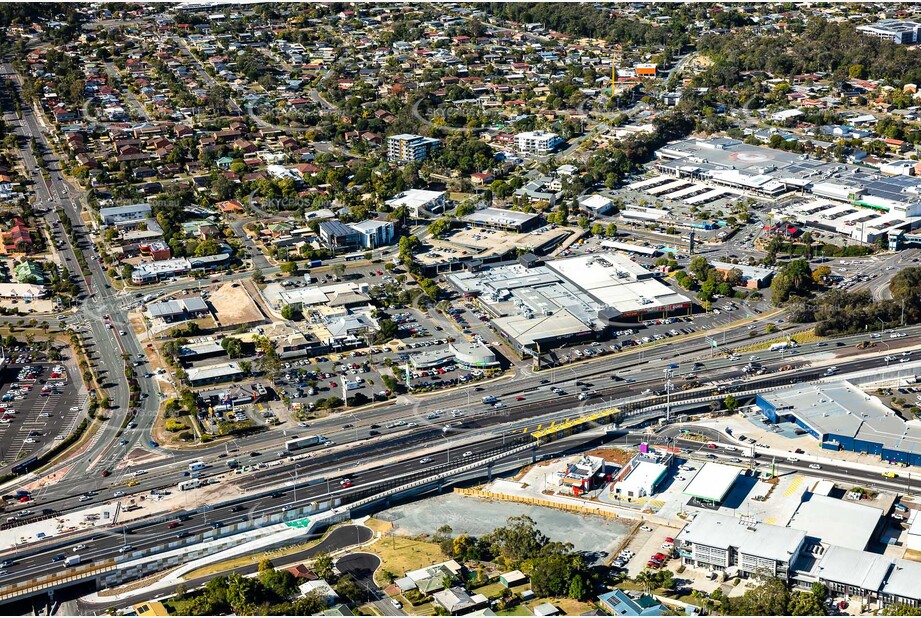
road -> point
(97, 299)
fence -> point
(563, 506)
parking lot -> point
(39, 406)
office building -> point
(895, 30)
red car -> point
(105, 473)
(332, 385)
(172, 524)
(669, 539)
(24, 499)
(652, 564)
(519, 398)
(710, 445)
(345, 483)
(660, 557)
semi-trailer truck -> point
(299, 443)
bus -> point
(299, 443)
(195, 466)
(354, 257)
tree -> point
(339, 270)
(258, 276)
(731, 404)
(611, 230)
(820, 274)
(233, 347)
(733, 277)
(323, 565)
(387, 330)
(290, 312)
(207, 247)
(699, 268)
(578, 587)
(288, 268)
(348, 588)
(771, 598)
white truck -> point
(489, 399)
(195, 466)
(72, 560)
(783, 345)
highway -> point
(31, 563)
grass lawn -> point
(568, 607)
(490, 590)
(379, 525)
(401, 554)
(518, 610)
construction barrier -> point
(573, 508)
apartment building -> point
(537, 142)
(406, 147)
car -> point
(79, 547)
(183, 534)
(468, 454)
(118, 494)
(105, 473)
(217, 524)
(396, 603)
(792, 459)
(125, 549)
(237, 508)
(425, 460)
(7, 563)
(172, 524)
(255, 454)
(645, 528)
(58, 558)
(519, 398)
(346, 483)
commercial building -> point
(179, 309)
(498, 218)
(537, 142)
(878, 203)
(739, 546)
(120, 214)
(541, 307)
(150, 272)
(842, 417)
(406, 147)
(753, 277)
(712, 483)
(213, 374)
(374, 233)
(418, 202)
(895, 30)
(597, 204)
(463, 354)
(837, 522)
(29, 272)
(339, 237)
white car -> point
(75, 409)
(79, 547)
(468, 454)
(396, 603)
(118, 494)
(645, 528)
(425, 460)
(815, 467)
(30, 440)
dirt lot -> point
(234, 306)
